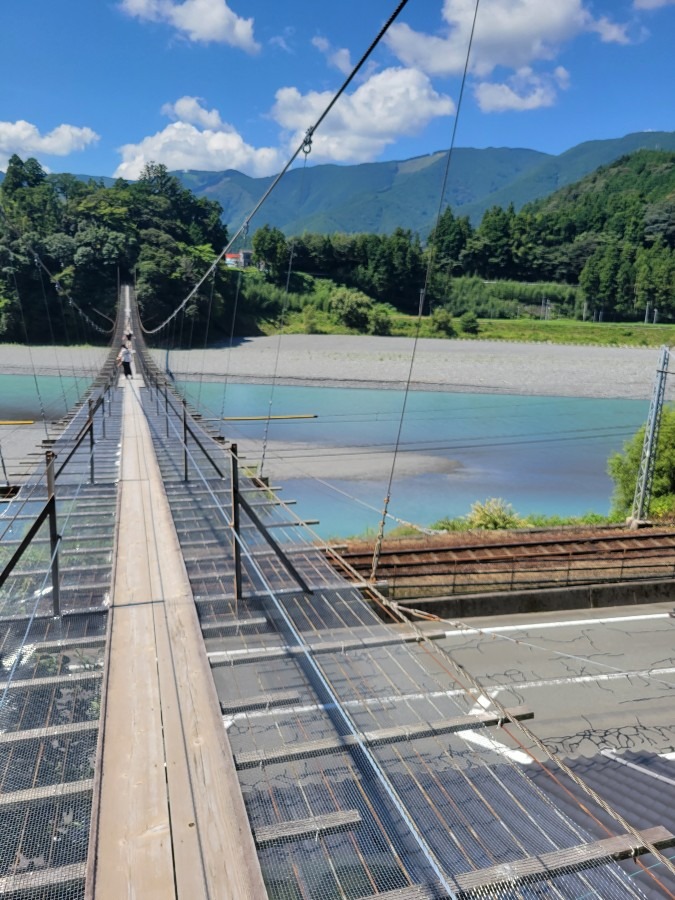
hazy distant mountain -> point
(378, 197)
(372, 197)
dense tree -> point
(66, 243)
(624, 468)
(448, 241)
(270, 250)
(489, 250)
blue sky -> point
(101, 88)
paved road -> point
(595, 679)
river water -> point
(541, 454)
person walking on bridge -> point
(124, 357)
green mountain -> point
(371, 198)
(571, 166)
(379, 197)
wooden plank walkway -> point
(168, 819)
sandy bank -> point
(458, 366)
(364, 361)
(295, 460)
(16, 359)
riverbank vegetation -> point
(496, 514)
(593, 263)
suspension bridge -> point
(199, 701)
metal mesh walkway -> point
(348, 733)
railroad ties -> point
(460, 564)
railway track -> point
(467, 562)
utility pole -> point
(643, 486)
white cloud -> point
(281, 42)
(190, 109)
(339, 59)
(198, 20)
(510, 33)
(198, 140)
(610, 32)
(390, 104)
(525, 90)
(24, 139)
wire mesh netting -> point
(53, 619)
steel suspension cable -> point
(235, 307)
(53, 340)
(347, 718)
(380, 535)
(306, 142)
(206, 336)
(284, 309)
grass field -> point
(554, 331)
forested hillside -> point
(66, 244)
(599, 249)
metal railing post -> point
(103, 435)
(236, 550)
(53, 533)
(91, 441)
(166, 407)
(185, 451)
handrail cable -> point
(430, 261)
(305, 142)
(38, 594)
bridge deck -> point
(161, 829)
(263, 735)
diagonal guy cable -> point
(306, 143)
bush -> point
(310, 320)
(493, 515)
(441, 322)
(351, 308)
(379, 322)
(624, 468)
(469, 323)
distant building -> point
(239, 260)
